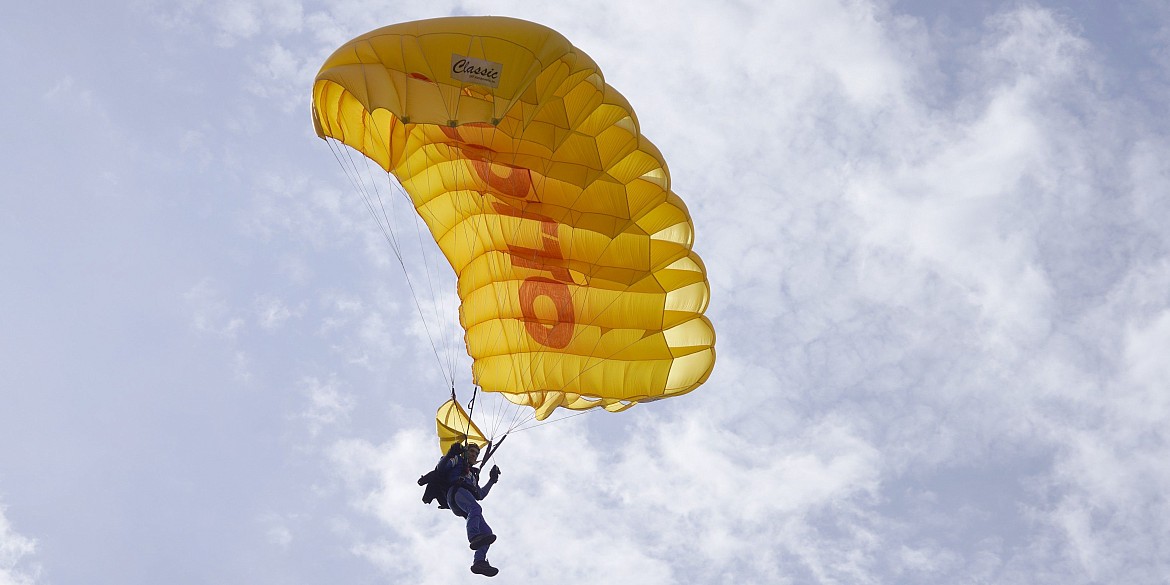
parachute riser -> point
(491, 450)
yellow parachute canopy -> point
(577, 281)
(455, 426)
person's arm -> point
(487, 487)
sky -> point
(936, 239)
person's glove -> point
(495, 472)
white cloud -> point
(211, 312)
(1107, 489)
(896, 323)
(280, 75)
(274, 312)
(16, 552)
(328, 405)
(65, 91)
(238, 20)
(672, 506)
(242, 366)
(1149, 178)
(939, 270)
(370, 330)
(279, 535)
(295, 269)
(194, 144)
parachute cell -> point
(578, 284)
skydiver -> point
(463, 498)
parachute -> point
(455, 426)
(577, 281)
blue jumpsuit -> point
(464, 496)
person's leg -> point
(476, 526)
(481, 554)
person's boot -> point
(482, 541)
(483, 568)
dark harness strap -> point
(491, 450)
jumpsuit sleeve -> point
(487, 487)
